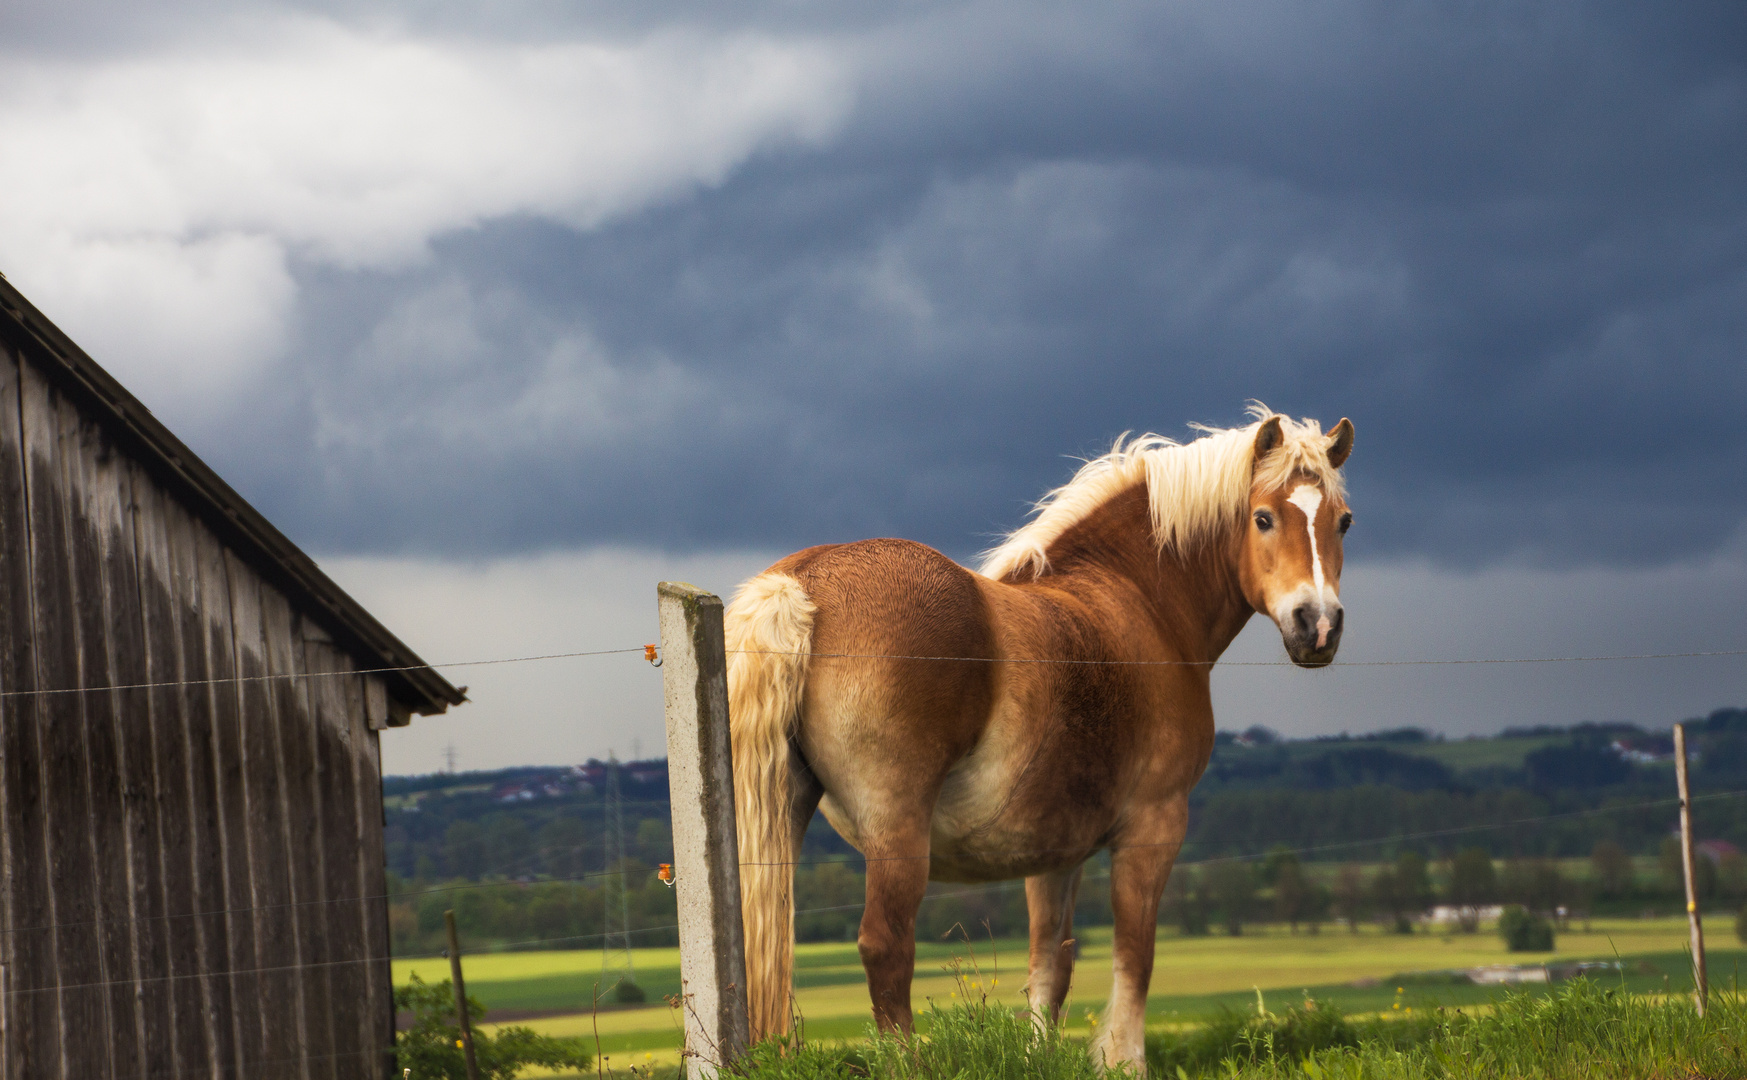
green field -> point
(1484, 752)
(1481, 753)
(401, 802)
(1459, 755)
(1193, 977)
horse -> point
(1012, 721)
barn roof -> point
(420, 689)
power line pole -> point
(449, 758)
(616, 944)
(460, 987)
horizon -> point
(1383, 735)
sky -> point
(505, 312)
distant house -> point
(1450, 914)
(191, 852)
(1644, 749)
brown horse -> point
(1010, 723)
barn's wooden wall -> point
(190, 876)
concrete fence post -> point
(706, 852)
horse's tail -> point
(769, 631)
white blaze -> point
(1308, 498)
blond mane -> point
(1196, 490)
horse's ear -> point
(1268, 437)
(1340, 443)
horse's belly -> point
(997, 854)
(989, 826)
(979, 832)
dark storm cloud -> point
(1510, 241)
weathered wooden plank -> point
(373, 870)
(123, 837)
(32, 1013)
(230, 788)
(331, 729)
(154, 758)
(283, 1049)
(74, 881)
(303, 795)
(170, 607)
(355, 1011)
(121, 759)
(375, 693)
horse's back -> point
(893, 597)
(898, 686)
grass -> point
(1188, 970)
(1195, 979)
(1586, 1030)
(969, 1040)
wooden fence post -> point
(1701, 989)
(706, 853)
(460, 986)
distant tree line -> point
(1354, 806)
(1370, 820)
(1264, 793)
(1230, 894)
(1225, 896)
(527, 914)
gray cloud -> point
(1510, 241)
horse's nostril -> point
(1338, 620)
(1301, 619)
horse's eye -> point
(1346, 523)
(1264, 520)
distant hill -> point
(1346, 795)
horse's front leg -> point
(1049, 899)
(897, 879)
(1137, 879)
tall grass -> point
(1245, 1039)
(981, 1040)
(1585, 1030)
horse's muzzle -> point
(1314, 634)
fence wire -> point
(171, 684)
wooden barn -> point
(190, 783)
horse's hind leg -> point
(897, 878)
(1049, 899)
